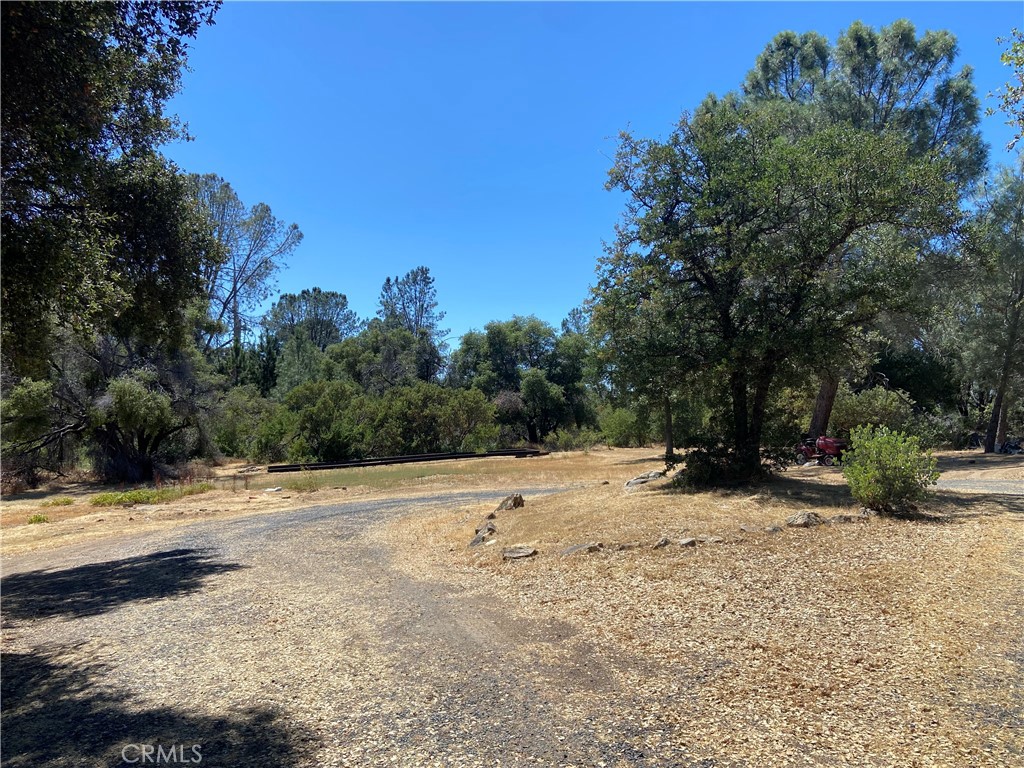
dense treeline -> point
(821, 250)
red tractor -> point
(824, 450)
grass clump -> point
(887, 471)
(59, 501)
(148, 495)
(306, 483)
(38, 519)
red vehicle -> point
(824, 450)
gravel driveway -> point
(289, 640)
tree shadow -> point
(961, 506)
(58, 712)
(87, 590)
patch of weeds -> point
(38, 519)
(306, 483)
(148, 495)
(59, 501)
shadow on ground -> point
(56, 713)
(87, 590)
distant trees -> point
(322, 316)
(253, 246)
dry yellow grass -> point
(871, 643)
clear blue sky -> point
(475, 138)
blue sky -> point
(475, 138)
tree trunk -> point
(1004, 377)
(670, 447)
(823, 405)
(1004, 417)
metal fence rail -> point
(517, 453)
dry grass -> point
(875, 643)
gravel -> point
(290, 639)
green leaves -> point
(887, 471)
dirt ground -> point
(868, 642)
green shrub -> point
(619, 427)
(38, 519)
(887, 471)
(58, 501)
(572, 440)
(890, 408)
(147, 495)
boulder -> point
(646, 477)
(514, 501)
(518, 552)
(804, 519)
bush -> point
(571, 440)
(148, 495)
(887, 471)
(38, 519)
(619, 427)
(885, 407)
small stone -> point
(131, 518)
(624, 546)
(773, 529)
(584, 548)
(604, 482)
(662, 542)
(710, 539)
(847, 519)
(804, 519)
(482, 533)
(687, 542)
(513, 501)
(491, 516)
(518, 552)
(750, 528)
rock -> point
(710, 539)
(515, 501)
(585, 548)
(773, 529)
(804, 519)
(750, 528)
(518, 552)
(687, 542)
(604, 482)
(623, 547)
(662, 542)
(847, 519)
(482, 533)
(646, 477)
(273, 490)
(491, 516)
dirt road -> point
(290, 640)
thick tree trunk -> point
(823, 405)
(993, 422)
(1004, 418)
(670, 446)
